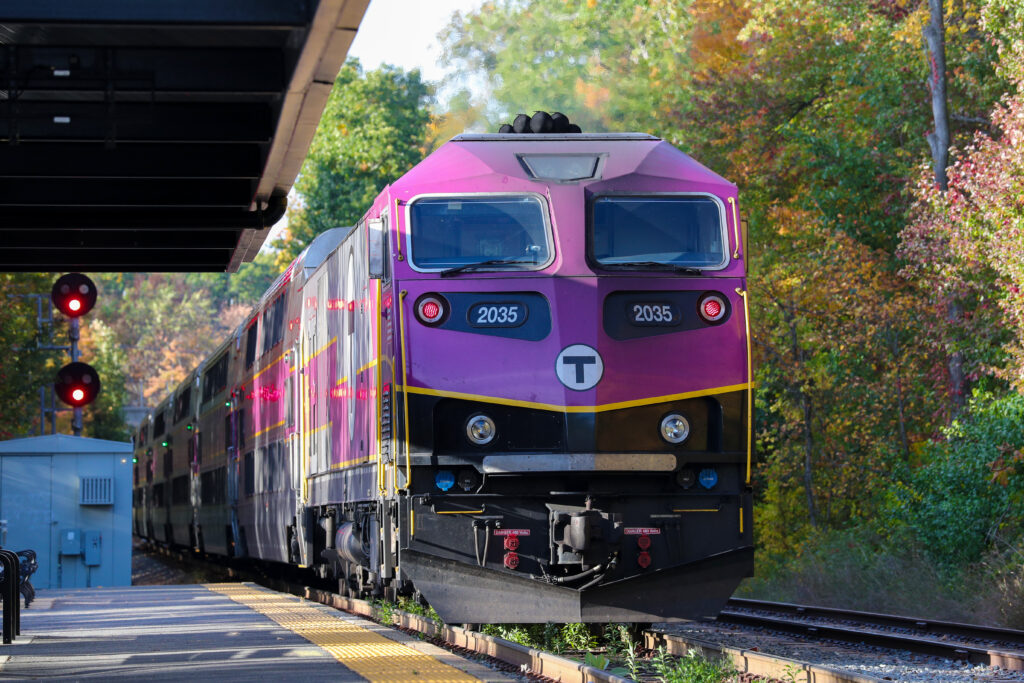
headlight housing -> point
(480, 429)
(675, 428)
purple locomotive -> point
(520, 387)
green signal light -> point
(135, 460)
(227, 403)
(188, 427)
(164, 444)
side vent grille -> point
(96, 491)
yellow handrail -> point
(735, 227)
(398, 233)
(750, 381)
(405, 393)
(380, 401)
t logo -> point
(579, 367)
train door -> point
(237, 425)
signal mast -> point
(77, 384)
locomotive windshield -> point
(647, 232)
(450, 232)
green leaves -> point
(373, 130)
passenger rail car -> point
(520, 387)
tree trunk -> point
(812, 513)
(938, 140)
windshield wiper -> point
(658, 265)
(466, 267)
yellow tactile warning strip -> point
(369, 654)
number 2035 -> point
(653, 314)
(498, 315)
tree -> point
(373, 129)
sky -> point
(404, 33)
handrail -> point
(750, 381)
(405, 394)
(735, 227)
(381, 483)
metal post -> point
(73, 335)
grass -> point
(856, 571)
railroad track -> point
(955, 641)
(536, 661)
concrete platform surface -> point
(224, 632)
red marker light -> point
(430, 309)
(644, 560)
(712, 308)
(644, 542)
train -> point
(519, 389)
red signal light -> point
(73, 294)
(77, 384)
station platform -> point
(224, 632)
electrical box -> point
(91, 541)
(71, 542)
(69, 498)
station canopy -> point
(157, 135)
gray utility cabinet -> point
(70, 499)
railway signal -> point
(73, 294)
(77, 384)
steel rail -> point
(754, 663)
(931, 637)
(931, 626)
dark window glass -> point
(215, 379)
(213, 486)
(273, 324)
(279, 315)
(250, 345)
(635, 232)
(453, 231)
(158, 424)
(179, 490)
(158, 495)
(182, 404)
(227, 432)
(168, 463)
(249, 466)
